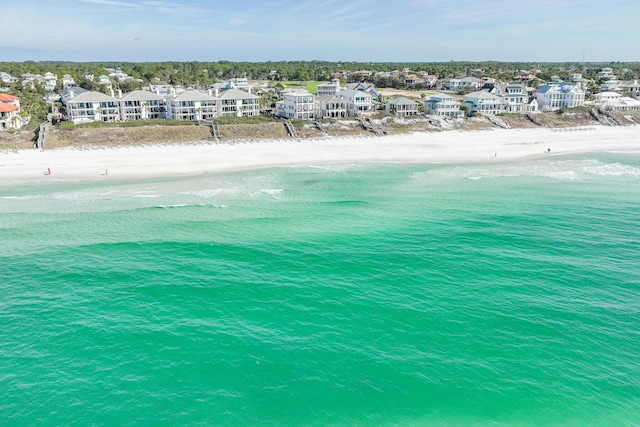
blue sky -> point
(335, 30)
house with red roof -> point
(10, 117)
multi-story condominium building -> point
(554, 96)
(238, 103)
(142, 105)
(10, 117)
(401, 106)
(483, 102)
(93, 106)
(192, 105)
(297, 104)
(443, 105)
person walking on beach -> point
(48, 171)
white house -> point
(603, 97)
(329, 88)
(369, 88)
(471, 82)
(50, 82)
(612, 101)
(623, 103)
(7, 78)
(297, 104)
(68, 81)
(358, 102)
(554, 96)
(239, 83)
(330, 107)
(516, 98)
(607, 73)
(483, 102)
(630, 86)
(443, 105)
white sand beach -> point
(498, 145)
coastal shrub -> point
(66, 125)
(229, 120)
(137, 123)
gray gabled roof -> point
(92, 97)
(237, 94)
(401, 100)
(194, 95)
(142, 95)
(481, 94)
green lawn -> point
(310, 86)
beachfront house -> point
(444, 106)
(358, 102)
(10, 113)
(297, 104)
(93, 106)
(483, 102)
(401, 107)
(238, 103)
(192, 105)
(612, 101)
(554, 96)
(330, 107)
(516, 98)
(142, 105)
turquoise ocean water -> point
(498, 294)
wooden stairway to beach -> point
(42, 130)
(290, 129)
(215, 131)
(368, 125)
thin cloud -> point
(110, 3)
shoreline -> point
(196, 158)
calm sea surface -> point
(500, 294)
